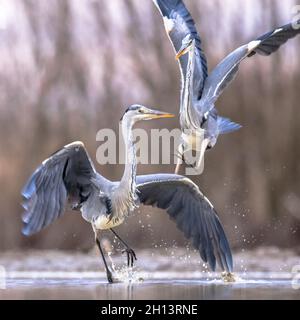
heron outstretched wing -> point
(178, 24)
(227, 69)
(192, 212)
(67, 173)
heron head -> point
(137, 112)
(186, 45)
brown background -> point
(70, 68)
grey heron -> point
(69, 175)
(200, 123)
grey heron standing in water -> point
(69, 174)
(199, 119)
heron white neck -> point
(187, 95)
(126, 190)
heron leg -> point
(130, 253)
(177, 166)
(108, 272)
(180, 158)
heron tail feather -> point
(225, 125)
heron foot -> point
(131, 257)
(228, 277)
(109, 276)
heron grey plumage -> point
(69, 175)
(200, 123)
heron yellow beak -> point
(181, 53)
(183, 50)
(185, 47)
(158, 114)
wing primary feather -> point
(192, 213)
(67, 171)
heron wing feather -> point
(224, 73)
(67, 173)
(178, 24)
(193, 213)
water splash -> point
(126, 274)
(130, 275)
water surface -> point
(267, 273)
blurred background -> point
(70, 67)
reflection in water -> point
(263, 273)
(152, 289)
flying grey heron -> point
(69, 174)
(199, 119)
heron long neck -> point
(126, 189)
(186, 114)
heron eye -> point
(141, 111)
